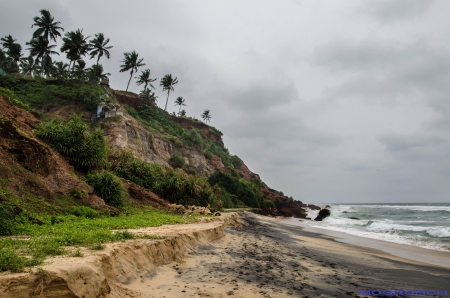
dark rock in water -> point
(344, 212)
(327, 206)
(354, 218)
(309, 218)
(322, 214)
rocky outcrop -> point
(128, 134)
(189, 124)
(322, 214)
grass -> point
(32, 244)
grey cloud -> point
(401, 143)
(389, 11)
(263, 95)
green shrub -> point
(177, 160)
(193, 138)
(86, 149)
(84, 211)
(107, 186)
(236, 161)
(6, 218)
(11, 261)
(208, 155)
(268, 204)
(246, 191)
(6, 93)
(173, 185)
(191, 171)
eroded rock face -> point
(128, 134)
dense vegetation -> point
(85, 148)
(173, 185)
(238, 189)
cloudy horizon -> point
(328, 101)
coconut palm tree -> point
(29, 66)
(6, 63)
(182, 113)
(40, 48)
(60, 70)
(79, 71)
(15, 53)
(47, 26)
(8, 42)
(144, 78)
(95, 73)
(180, 102)
(75, 46)
(206, 116)
(148, 96)
(131, 62)
(167, 82)
(98, 46)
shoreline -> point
(268, 258)
(404, 251)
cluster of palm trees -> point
(40, 61)
(76, 46)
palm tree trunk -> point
(167, 99)
(129, 80)
(98, 59)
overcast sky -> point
(329, 101)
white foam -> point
(439, 232)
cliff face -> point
(128, 134)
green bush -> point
(6, 218)
(84, 211)
(85, 148)
(39, 91)
(173, 185)
(208, 155)
(177, 160)
(193, 138)
(269, 204)
(246, 191)
(6, 93)
(11, 261)
(108, 187)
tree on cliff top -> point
(76, 46)
(98, 46)
(180, 101)
(206, 116)
(145, 79)
(167, 82)
(131, 61)
(47, 26)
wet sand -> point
(267, 258)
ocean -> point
(425, 225)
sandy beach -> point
(268, 258)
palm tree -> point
(182, 113)
(131, 61)
(75, 46)
(144, 78)
(15, 53)
(148, 96)
(206, 116)
(40, 48)
(167, 82)
(46, 26)
(60, 70)
(8, 41)
(95, 73)
(6, 63)
(29, 66)
(98, 46)
(79, 71)
(180, 101)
